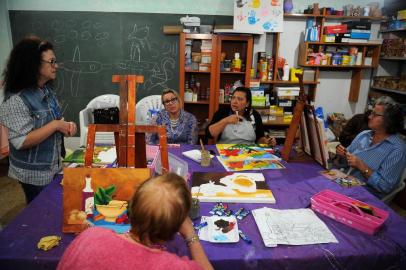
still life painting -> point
(231, 187)
(99, 197)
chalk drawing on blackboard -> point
(73, 34)
(85, 35)
(86, 24)
(77, 67)
(70, 23)
(97, 25)
(57, 25)
(59, 39)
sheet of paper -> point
(291, 227)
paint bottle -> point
(236, 64)
(87, 196)
(286, 69)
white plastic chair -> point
(146, 107)
(388, 198)
(86, 118)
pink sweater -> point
(99, 248)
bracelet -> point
(191, 240)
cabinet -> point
(198, 46)
(390, 78)
(200, 62)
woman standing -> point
(181, 126)
(239, 124)
(378, 155)
(32, 115)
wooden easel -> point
(129, 138)
(303, 108)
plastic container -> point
(286, 70)
(176, 165)
(345, 210)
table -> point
(292, 188)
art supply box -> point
(345, 210)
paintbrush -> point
(201, 144)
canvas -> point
(99, 197)
(231, 187)
(239, 157)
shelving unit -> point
(202, 108)
(231, 44)
(394, 61)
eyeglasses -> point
(52, 62)
(374, 114)
(170, 101)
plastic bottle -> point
(236, 64)
(285, 76)
(87, 196)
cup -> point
(194, 209)
(205, 158)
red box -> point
(336, 29)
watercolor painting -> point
(231, 187)
(241, 157)
(102, 155)
(342, 178)
(223, 229)
(258, 16)
(99, 197)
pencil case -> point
(351, 212)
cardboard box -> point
(361, 25)
(335, 29)
(258, 101)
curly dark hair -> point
(22, 69)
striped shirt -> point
(387, 160)
(16, 116)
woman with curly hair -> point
(33, 116)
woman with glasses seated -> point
(181, 126)
(239, 123)
(378, 155)
(33, 116)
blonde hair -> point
(175, 93)
(159, 207)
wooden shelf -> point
(196, 71)
(287, 82)
(393, 30)
(337, 66)
(394, 58)
(232, 72)
(199, 36)
(396, 91)
(197, 102)
(341, 44)
(334, 17)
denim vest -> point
(44, 108)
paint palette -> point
(223, 229)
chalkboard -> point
(92, 46)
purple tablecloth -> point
(292, 188)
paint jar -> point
(345, 60)
(205, 159)
(336, 59)
(194, 212)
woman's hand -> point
(270, 141)
(233, 119)
(67, 128)
(186, 229)
(341, 150)
(355, 162)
